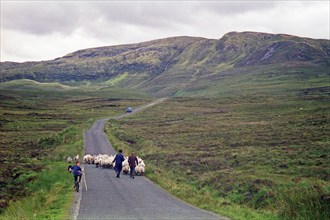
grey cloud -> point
(151, 14)
(40, 17)
(105, 18)
(101, 18)
(235, 7)
(43, 18)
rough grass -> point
(50, 196)
(302, 201)
(47, 193)
(38, 132)
(246, 152)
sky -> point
(45, 30)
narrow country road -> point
(109, 197)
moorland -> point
(244, 132)
(40, 127)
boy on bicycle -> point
(77, 171)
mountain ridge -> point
(165, 66)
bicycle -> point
(77, 184)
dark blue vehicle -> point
(129, 110)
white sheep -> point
(76, 158)
(126, 169)
(140, 161)
(106, 161)
(93, 159)
(125, 165)
(87, 158)
(139, 169)
(98, 160)
(103, 160)
(69, 160)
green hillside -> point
(189, 66)
(59, 90)
(26, 84)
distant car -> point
(129, 110)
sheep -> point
(126, 169)
(125, 165)
(106, 161)
(93, 159)
(87, 158)
(98, 160)
(125, 161)
(103, 160)
(69, 160)
(140, 161)
(76, 158)
(139, 170)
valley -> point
(243, 131)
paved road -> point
(109, 197)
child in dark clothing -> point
(77, 171)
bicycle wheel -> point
(77, 186)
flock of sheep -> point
(105, 161)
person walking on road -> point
(119, 158)
(132, 161)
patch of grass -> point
(117, 79)
(51, 196)
(302, 201)
(49, 193)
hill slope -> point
(187, 65)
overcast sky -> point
(44, 30)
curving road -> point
(109, 197)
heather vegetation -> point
(247, 157)
(40, 127)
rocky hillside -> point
(176, 65)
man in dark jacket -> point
(119, 158)
(132, 161)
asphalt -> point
(109, 197)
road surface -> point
(109, 197)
